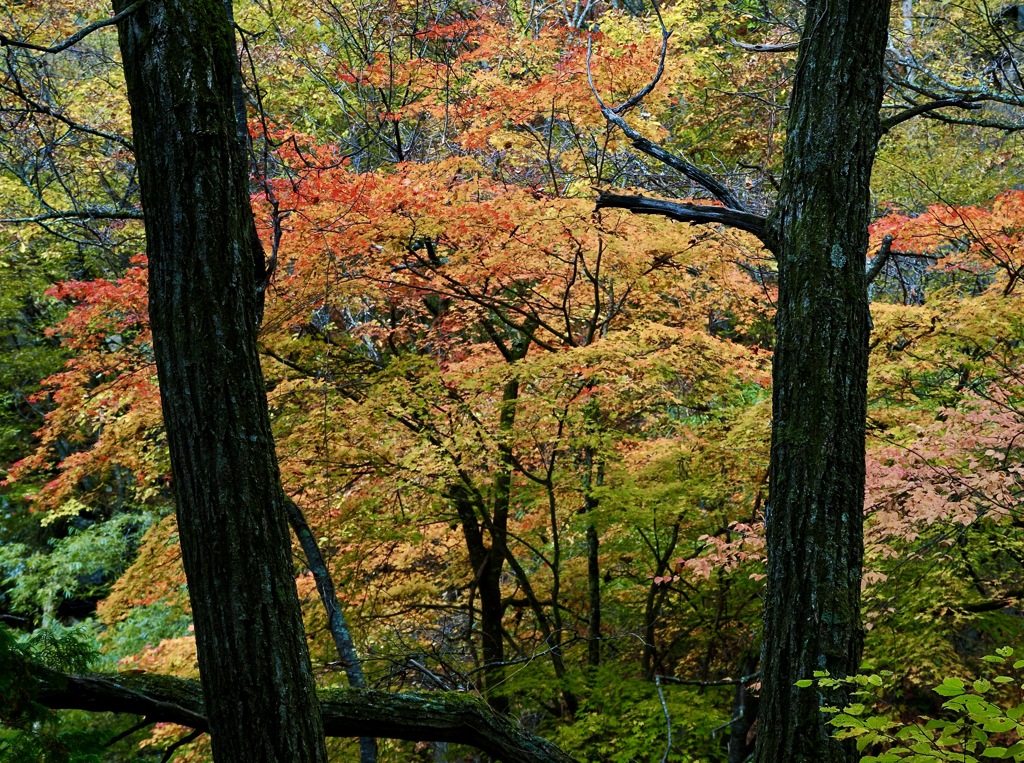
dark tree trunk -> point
(482, 559)
(744, 714)
(593, 477)
(492, 605)
(179, 60)
(488, 561)
(814, 520)
(593, 594)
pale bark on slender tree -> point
(179, 62)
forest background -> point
(458, 346)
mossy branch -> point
(421, 717)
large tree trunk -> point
(818, 231)
(179, 59)
(814, 521)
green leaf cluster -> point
(79, 566)
(29, 733)
(983, 718)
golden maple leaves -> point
(409, 293)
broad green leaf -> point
(999, 725)
(950, 687)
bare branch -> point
(991, 124)
(687, 213)
(718, 190)
(646, 89)
(885, 253)
(937, 89)
(924, 108)
(944, 89)
(90, 213)
(129, 731)
(767, 47)
(614, 116)
(876, 264)
(39, 108)
(185, 740)
(78, 36)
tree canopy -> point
(553, 306)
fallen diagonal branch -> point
(686, 213)
(422, 717)
(336, 623)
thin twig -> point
(187, 739)
(129, 731)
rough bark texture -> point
(179, 59)
(814, 522)
(432, 716)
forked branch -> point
(614, 115)
(77, 37)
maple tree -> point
(533, 441)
